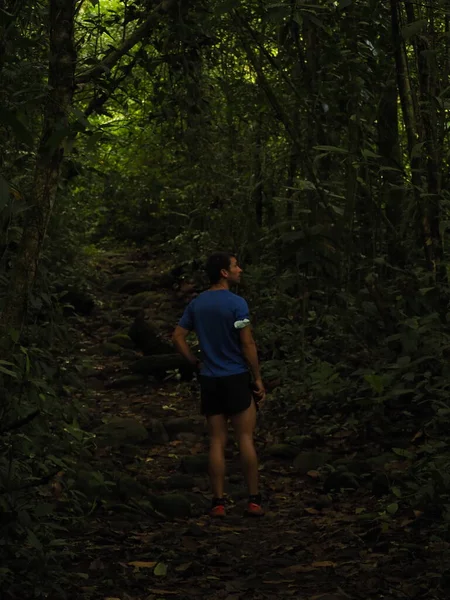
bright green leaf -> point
(160, 570)
(392, 508)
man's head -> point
(223, 265)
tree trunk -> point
(257, 179)
(393, 191)
(48, 161)
(412, 129)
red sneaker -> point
(254, 510)
(217, 512)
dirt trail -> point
(150, 538)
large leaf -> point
(331, 149)
(414, 28)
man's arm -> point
(179, 341)
(251, 356)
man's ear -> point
(224, 273)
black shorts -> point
(225, 395)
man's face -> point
(233, 274)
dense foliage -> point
(312, 139)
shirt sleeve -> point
(187, 320)
(241, 314)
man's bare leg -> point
(244, 424)
(218, 431)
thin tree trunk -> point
(393, 191)
(292, 172)
(427, 126)
(48, 161)
(257, 179)
(412, 131)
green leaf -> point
(14, 334)
(331, 149)
(8, 372)
(403, 361)
(414, 28)
(160, 570)
(317, 22)
(56, 139)
(392, 508)
(93, 139)
(369, 154)
(417, 150)
(57, 461)
(344, 3)
(33, 541)
(397, 492)
(375, 382)
(403, 453)
(81, 117)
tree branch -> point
(113, 57)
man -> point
(222, 324)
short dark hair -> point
(215, 263)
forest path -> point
(149, 537)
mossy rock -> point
(157, 432)
(358, 467)
(130, 355)
(174, 506)
(122, 268)
(180, 481)
(91, 483)
(125, 382)
(178, 425)
(285, 451)
(323, 501)
(109, 349)
(127, 487)
(120, 324)
(194, 465)
(199, 504)
(300, 441)
(132, 311)
(144, 299)
(382, 459)
(340, 480)
(159, 364)
(122, 339)
(309, 461)
(128, 283)
(121, 431)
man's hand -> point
(259, 391)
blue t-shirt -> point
(216, 316)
